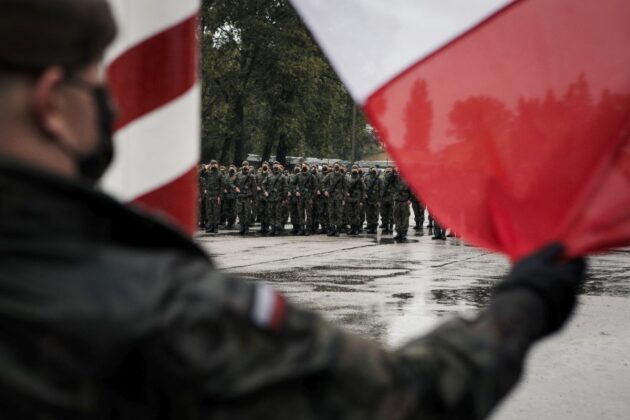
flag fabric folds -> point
(510, 119)
(152, 71)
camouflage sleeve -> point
(229, 349)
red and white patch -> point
(269, 308)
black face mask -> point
(304, 169)
(265, 169)
(232, 171)
(336, 169)
(355, 173)
(276, 170)
(93, 165)
(213, 168)
(245, 170)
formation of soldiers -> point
(330, 200)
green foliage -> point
(268, 89)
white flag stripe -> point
(369, 42)
(141, 19)
(156, 148)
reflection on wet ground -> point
(386, 292)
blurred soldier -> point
(201, 202)
(374, 190)
(354, 202)
(107, 313)
(293, 201)
(275, 189)
(214, 189)
(322, 200)
(418, 212)
(335, 192)
(229, 197)
(402, 197)
(261, 199)
(345, 224)
(387, 202)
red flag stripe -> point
(175, 200)
(536, 77)
(168, 65)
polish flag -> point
(152, 71)
(510, 119)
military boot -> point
(418, 226)
(215, 228)
(331, 231)
(385, 228)
(301, 231)
(209, 228)
(295, 230)
(272, 232)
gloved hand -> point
(554, 280)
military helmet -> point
(214, 162)
(245, 163)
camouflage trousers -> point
(305, 210)
(322, 210)
(387, 211)
(401, 217)
(335, 212)
(201, 210)
(293, 211)
(213, 210)
(262, 208)
(354, 209)
(229, 210)
(371, 213)
(244, 211)
(418, 212)
(274, 212)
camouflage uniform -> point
(322, 201)
(387, 204)
(246, 187)
(275, 187)
(229, 197)
(285, 204)
(261, 201)
(314, 225)
(293, 202)
(354, 202)
(402, 195)
(201, 202)
(418, 211)
(214, 189)
(374, 187)
(304, 187)
(336, 189)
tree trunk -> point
(269, 141)
(239, 126)
(225, 151)
(282, 150)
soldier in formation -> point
(245, 190)
(214, 187)
(313, 201)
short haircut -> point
(37, 34)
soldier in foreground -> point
(123, 317)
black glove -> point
(554, 280)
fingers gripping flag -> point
(510, 119)
(152, 71)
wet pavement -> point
(392, 292)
